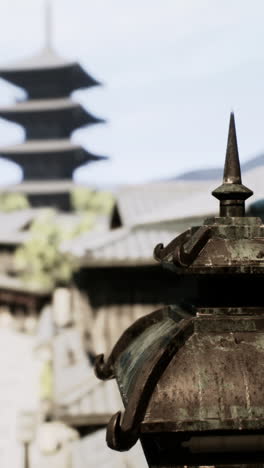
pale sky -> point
(172, 71)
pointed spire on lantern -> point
(232, 193)
(232, 172)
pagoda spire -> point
(232, 193)
(48, 24)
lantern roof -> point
(230, 243)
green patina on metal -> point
(192, 382)
(130, 363)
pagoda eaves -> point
(47, 75)
(49, 119)
(48, 160)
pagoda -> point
(48, 157)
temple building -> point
(49, 115)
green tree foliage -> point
(13, 201)
(86, 223)
(92, 201)
(40, 259)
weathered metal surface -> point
(225, 244)
(137, 371)
(186, 253)
(218, 384)
(191, 377)
(129, 365)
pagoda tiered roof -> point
(48, 159)
(49, 118)
(47, 75)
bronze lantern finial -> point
(232, 193)
(232, 172)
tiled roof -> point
(131, 245)
(139, 203)
(196, 205)
(164, 201)
(152, 214)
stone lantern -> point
(191, 375)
